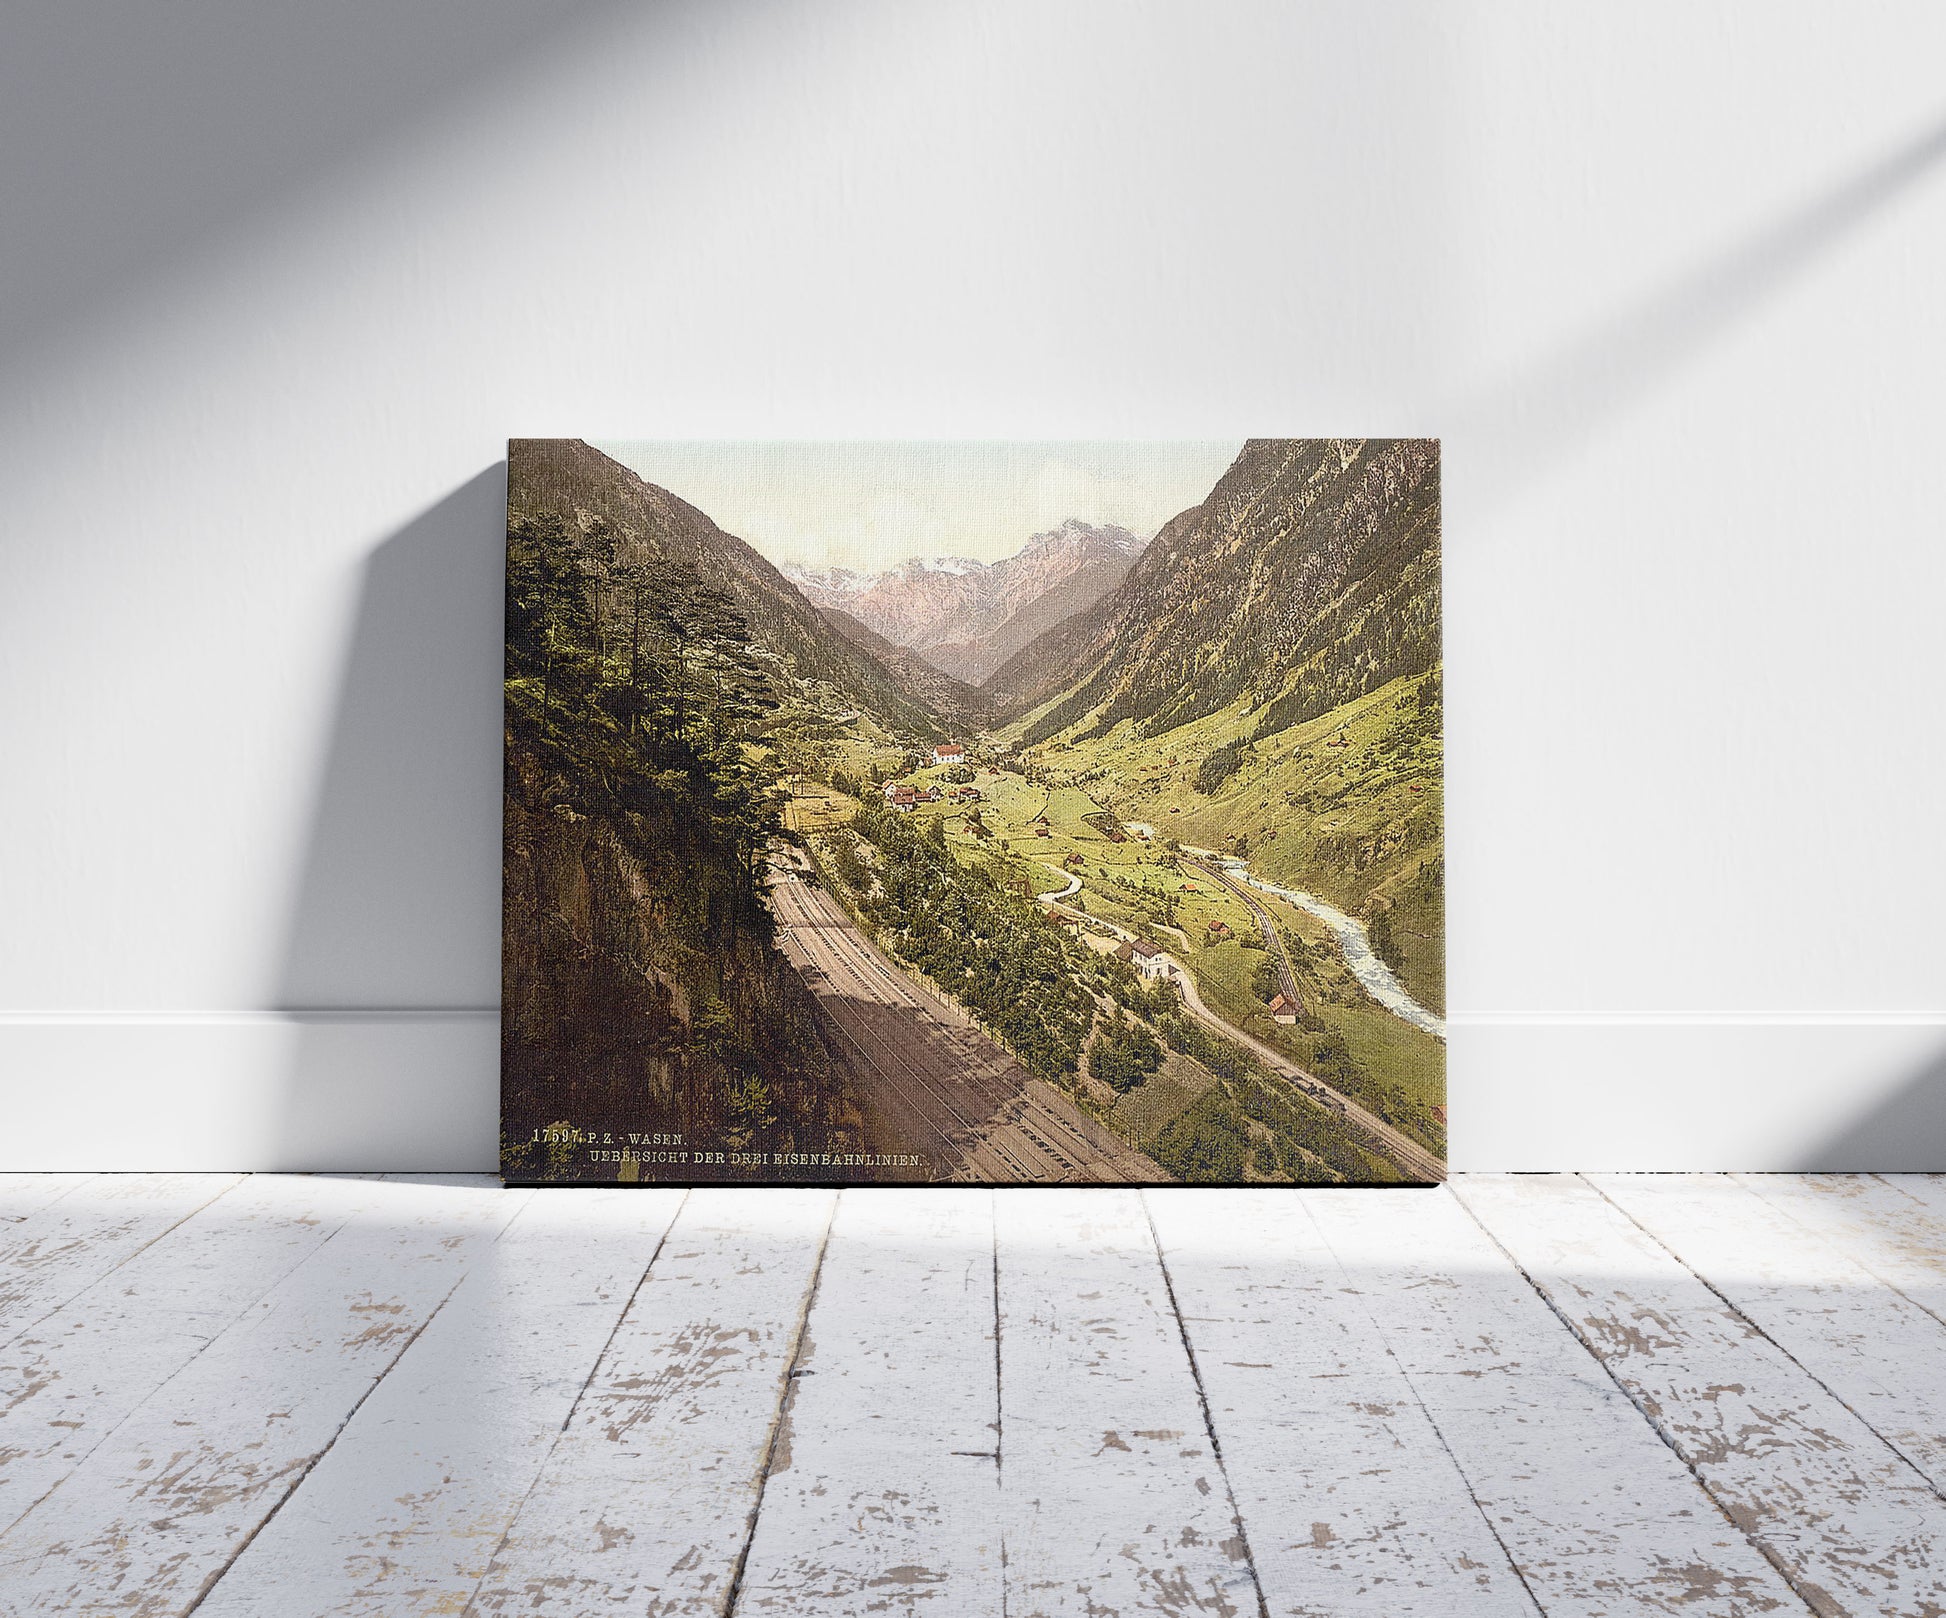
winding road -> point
(1405, 1153)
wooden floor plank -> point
(645, 1504)
(153, 1515)
(403, 1514)
(1851, 1523)
(63, 1247)
(1599, 1516)
(22, 1193)
(1113, 1499)
(309, 1396)
(1875, 1350)
(1893, 1224)
(883, 1495)
(72, 1378)
(1927, 1189)
(1350, 1500)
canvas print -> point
(995, 813)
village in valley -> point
(1252, 970)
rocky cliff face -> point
(1308, 577)
(967, 618)
(641, 989)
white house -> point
(949, 753)
(1145, 958)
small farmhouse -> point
(1284, 1009)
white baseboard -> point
(250, 1090)
(1756, 1093)
(418, 1090)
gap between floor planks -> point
(1158, 1371)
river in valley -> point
(1373, 975)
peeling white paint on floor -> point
(290, 1395)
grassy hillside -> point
(1036, 828)
(1348, 806)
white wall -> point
(280, 281)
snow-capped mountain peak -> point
(832, 580)
(967, 617)
(955, 566)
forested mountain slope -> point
(1309, 577)
(919, 679)
(647, 662)
(622, 522)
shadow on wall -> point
(202, 116)
(1548, 410)
(1905, 1133)
(391, 962)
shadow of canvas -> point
(391, 964)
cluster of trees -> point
(1222, 763)
(1309, 1141)
(1295, 1139)
(1422, 719)
(1159, 909)
(1265, 982)
(642, 990)
(1385, 943)
(639, 666)
(991, 950)
(1123, 1054)
(641, 681)
(1207, 1144)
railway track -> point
(1287, 978)
(982, 1115)
(1405, 1152)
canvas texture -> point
(1004, 814)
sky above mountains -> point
(870, 505)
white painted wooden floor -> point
(1565, 1395)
